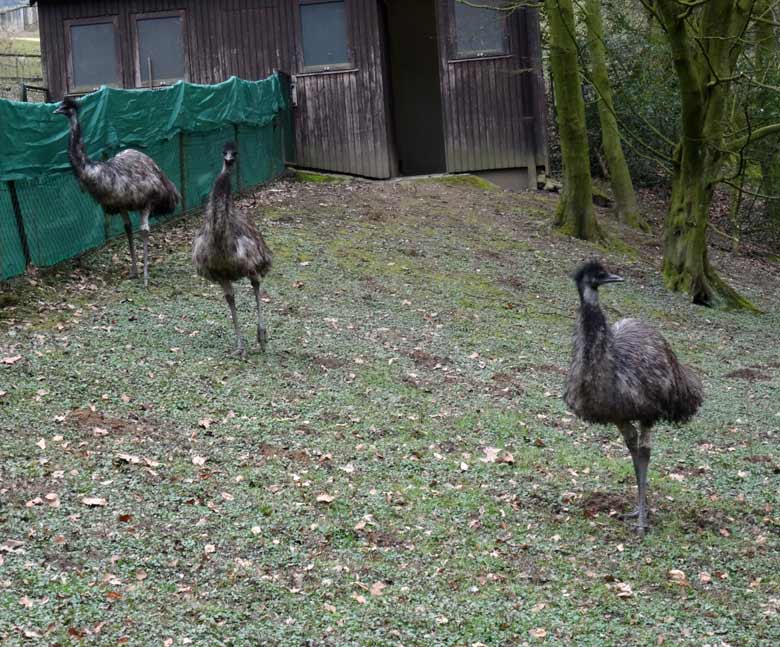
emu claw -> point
(641, 530)
(240, 352)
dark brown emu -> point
(229, 247)
(129, 181)
(626, 374)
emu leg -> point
(261, 335)
(227, 288)
(643, 462)
(631, 437)
(145, 238)
(131, 243)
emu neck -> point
(592, 322)
(221, 200)
(77, 152)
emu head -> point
(68, 107)
(593, 274)
(229, 154)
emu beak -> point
(612, 278)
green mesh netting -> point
(60, 220)
(183, 128)
(203, 162)
(12, 260)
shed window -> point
(324, 34)
(480, 30)
(160, 49)
(94, 56)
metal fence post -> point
(182, 172)
(19, 221)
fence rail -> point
(17, 70)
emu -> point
(129, 181)
(626, 374)
(229, 247)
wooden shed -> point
(380, 87)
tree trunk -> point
(626, 206)
(699, 156)
(767, 51)
(575, 213)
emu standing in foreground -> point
(229, 247)
(129, 181)
(624, 374)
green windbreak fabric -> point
(183, 128)
(33, 140)
(11, 251)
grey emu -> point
(624, 374)
(129, 181)
(229, 247)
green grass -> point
(411, 325)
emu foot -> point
(240, 351)
(133, 273)
(641, 530)
(261, 339)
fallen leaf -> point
(539, 632)
(325, 498)
(26, 602)
(141, 575)
(491, 454)
(705, 577)
(624, 590)
(678, 576)
(94, 501)
(99, 431)
(113, 595)
(329, 607)
(198, 460)
(377, 588)
(464, 467)
(11, 360)
(129, 458)
(360, 599)
(53, 499)
(209, 549)
(227, 496)
(256, 530)
(41, 443)
(205, 423)
(168, 642)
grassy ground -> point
(344, 489)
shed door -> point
(415, 87)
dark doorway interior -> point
(416, 93)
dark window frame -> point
(347, 66)
(111, 19)
(138, 73)
(455, 55)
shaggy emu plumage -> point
(229, 247)
(624, 374)
(129, 181)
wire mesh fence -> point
(17, 71)
(49, 218)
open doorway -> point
(416, 93)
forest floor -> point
(398, 468)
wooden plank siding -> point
(341, 122)
(493, 107)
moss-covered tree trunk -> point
(705, 52)
(626, 206)
(575, 211)
(766, 59)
